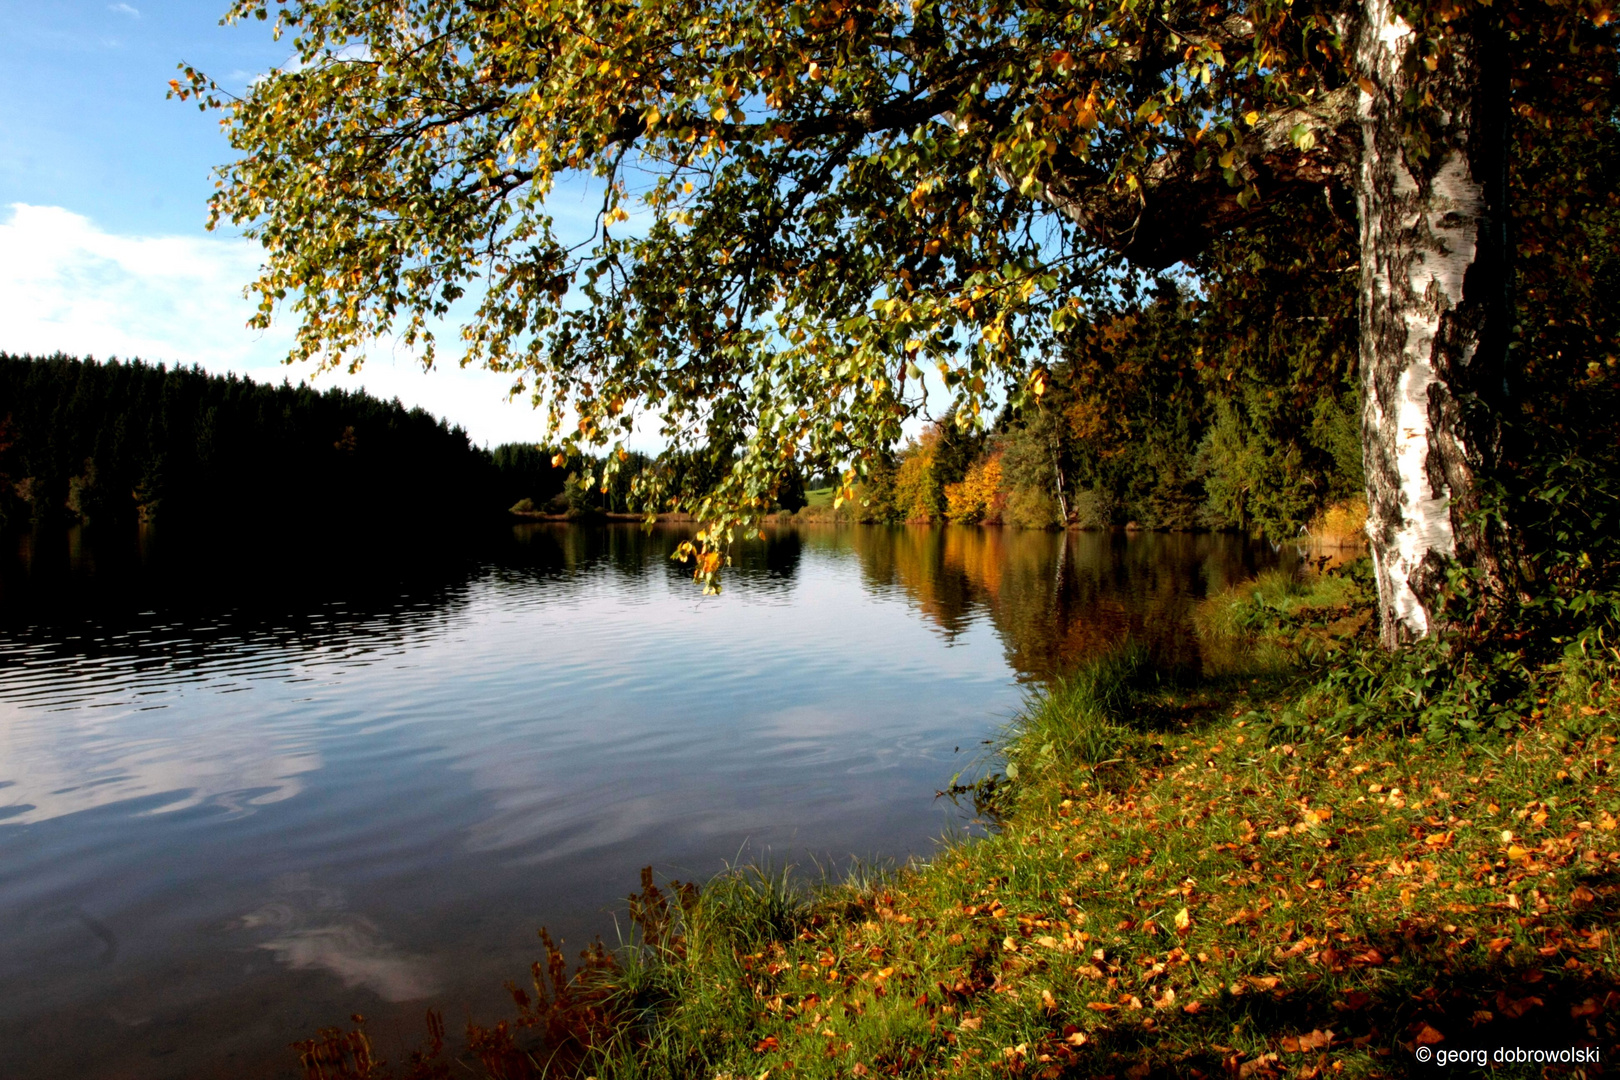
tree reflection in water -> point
(1055, 598)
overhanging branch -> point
(1183, 199)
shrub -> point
(978, 497)
(1343, 524)
(1032, 508)
(1093, 507)
(917, 493)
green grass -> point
(1183, 879)
(817, 498)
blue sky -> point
(103, 190)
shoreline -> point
(1183, 877)
(783, 519)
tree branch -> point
(1184, 199)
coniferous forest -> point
(88, 442)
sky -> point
(103, 206)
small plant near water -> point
(1080, 720)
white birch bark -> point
(1433, 296)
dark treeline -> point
(83, 441)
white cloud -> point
(68, 286)
(124, 9)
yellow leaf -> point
(1251, 118)
(1183, 921)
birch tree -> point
(811, 212)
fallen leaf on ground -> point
(1305, 1044)
(1259, 1066)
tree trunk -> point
(1436, 310)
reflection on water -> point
(247, 791)
(1057, 598)
(313, 931)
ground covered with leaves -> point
(1183, 879)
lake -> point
(247, 789)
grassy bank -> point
(1185, 878)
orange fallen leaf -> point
(1260, 1066)
(1513, 1008)
(1428, 1036)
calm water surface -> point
(241, 797)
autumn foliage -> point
(979, 497)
